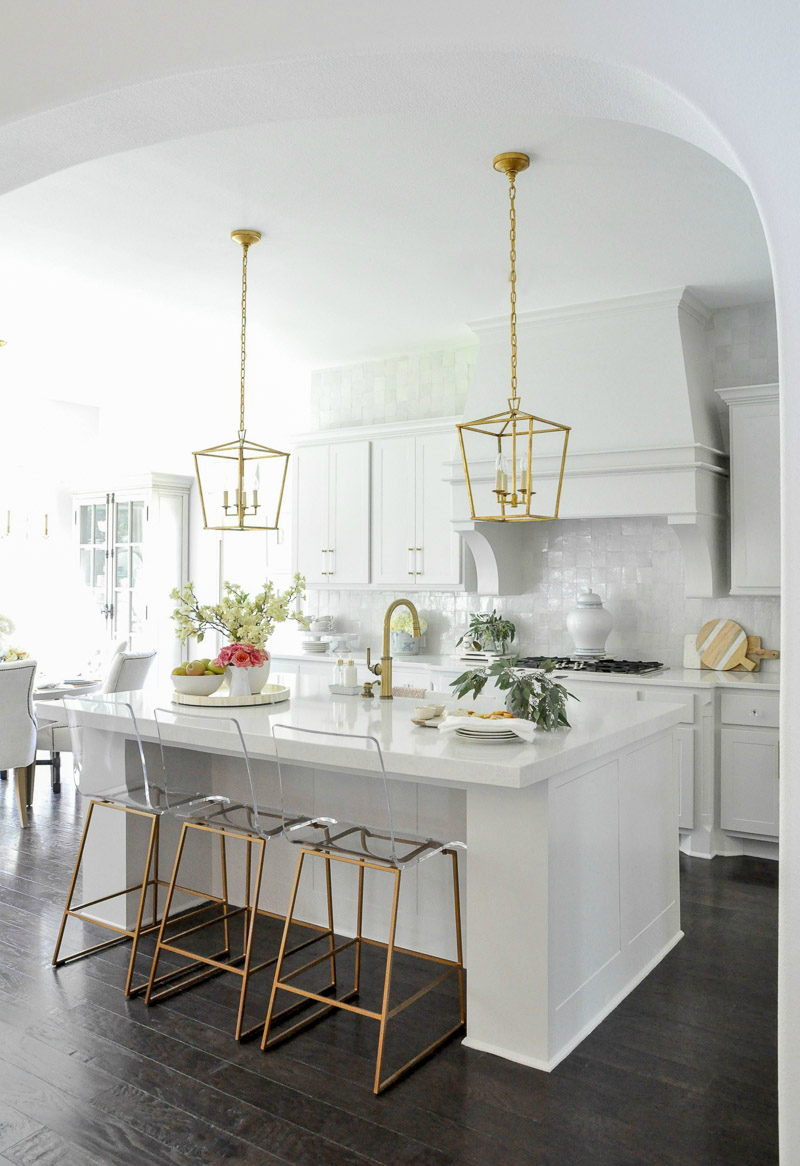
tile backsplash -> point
(635, 565)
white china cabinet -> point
(755, 489)
(331, 532)
(413, 540)
(132, 551)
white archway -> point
(715, 67)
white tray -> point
(270, 694)
(345, 689)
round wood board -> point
(722, 644)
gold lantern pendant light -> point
(513, 431)
(248, 497)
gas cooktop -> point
(571, 664)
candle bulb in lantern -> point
(225, 499)
(501, 474)
(255, 499)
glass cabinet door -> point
(94, 552)
(129, 611)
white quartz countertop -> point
(671, 677)
(600, 727)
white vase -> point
(258, 677)
(238, 681)
(589, 625)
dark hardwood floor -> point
(683, 1072)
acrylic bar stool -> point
(364, 847)
(226, 818)
(101, 757)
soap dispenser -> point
(351, 675)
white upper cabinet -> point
(413, 541)
(332, 513)
(755, 489)
(393, 511)
(437, 546)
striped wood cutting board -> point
(722, 644)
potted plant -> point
(532, 695)
(246, 623)
(489, 632)
(401, 633)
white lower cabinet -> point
(749, 793)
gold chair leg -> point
(223, 858)
(251, 927)
(462, 1002)
(73, 881)
(282, 951)
(387, 983)
(359, 927)
(156, 875)
(165, 916)
(137, 930)
(331, 937)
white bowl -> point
(196, 685)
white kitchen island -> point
(571, 876)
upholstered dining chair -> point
(18, 729)
(127, 673)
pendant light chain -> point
(512, 214)
(245, 249)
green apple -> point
(217, 669)
(179, 671)
(195, 668)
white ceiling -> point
(381, 234)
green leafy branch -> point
(533, 695)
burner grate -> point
(608, 667)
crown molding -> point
(676, 298)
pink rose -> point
(241, 656)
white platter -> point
(270, 694)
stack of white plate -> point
(314, 646)
(487, 733)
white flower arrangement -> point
(238, 617)
(9, 655)
(401, 622)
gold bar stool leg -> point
(282, 951)
(165, 916)
(359, 927)
(223, 856)
(387, 983)
(331, 938)
(251, 926)
(156, 876)
(137, 930)
(73, 881)
(462, 1001)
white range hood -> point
(633, 378)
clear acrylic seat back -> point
(339, 780)
(108, 754)
(213, 781)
